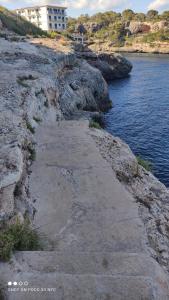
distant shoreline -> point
(159, 54)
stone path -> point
(95, 240)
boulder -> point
(93, 27)
(138, 27)
(112, 66)
(162, 25)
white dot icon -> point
(14, 283)
(9, 283)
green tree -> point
(140, 17)
(71, 24)
(83, 18)
(128, 14)
(152, 14)
(165, 15)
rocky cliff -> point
(134, 47)
(38, 83)
(103, 216)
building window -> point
(63, 19)
(50, 18)
(62, 11)
(50, 25)
(56, 26)
(59, 17)
(55, 18)
(63, 26)
(59, 25)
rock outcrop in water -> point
(112, 66)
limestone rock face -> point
(135, 27)
(93, 27)
(37, 83)
(84, 89)
(138, 27)
(112, 66)
(162, 25)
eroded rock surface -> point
(112, 66)
(37, 83)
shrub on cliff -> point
(161, 36)
(144, 163)
(93, 124)
(18, 236)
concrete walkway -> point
(95, 241)
(80, 204)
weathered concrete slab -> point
(96, 263)
(91, 224)
(88, 287)
(80, 203)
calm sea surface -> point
(140, 113)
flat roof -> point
(39, 6)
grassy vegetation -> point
(144, 163)
(32, 153)
(98, 118)
(93, 124)
(18, 236)
(161, 36)
(19, 25)
(29, 126)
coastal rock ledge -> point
(112, 65)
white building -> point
(47, 17)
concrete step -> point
(98, 263)
(54, 286)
